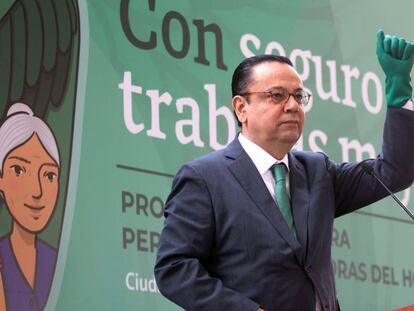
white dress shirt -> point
(263, 162)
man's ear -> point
(239, 104)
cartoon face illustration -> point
(30, 184)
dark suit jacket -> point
(225, 245)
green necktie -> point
(281, 195)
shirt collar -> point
(261, 158)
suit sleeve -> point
(186, 246)
(355, 188)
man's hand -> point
(396, 57)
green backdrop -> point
(153, 91)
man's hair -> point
(242, 74)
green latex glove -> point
(396, 58)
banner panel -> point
(132, 89)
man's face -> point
(267, 123)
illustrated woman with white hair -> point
(29, 185)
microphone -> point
(371, 171)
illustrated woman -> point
(29, 186)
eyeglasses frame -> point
(270, 94)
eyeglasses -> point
(281, 96)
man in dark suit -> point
(234, 239)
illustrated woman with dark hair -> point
(29, 185)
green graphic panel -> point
(154, 92)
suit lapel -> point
(300, 199)
(249, 178)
